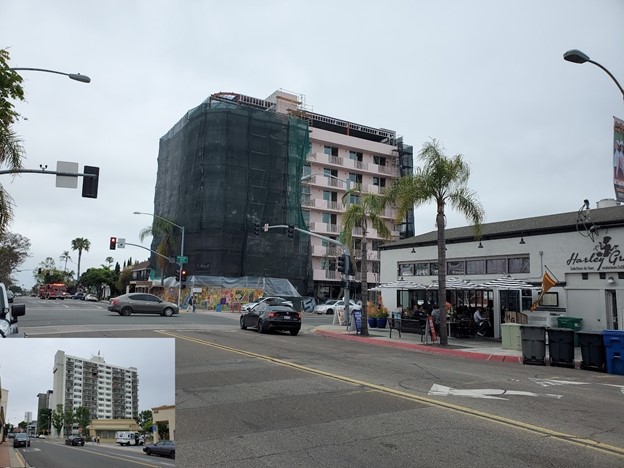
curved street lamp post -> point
(181, 249)
(73, 76)
(576, 56)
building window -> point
(379, 160)
(550, 299)
(421, 269)
(356, 156)
(376, 244)
(330, 150)
(496, 265)
(356, 178)
(375, 267)
(354, 198)
(433, 268)
(519, 265)
(379, 181)
(475, 267)
(406, 269)
(456, 267)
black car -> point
(266, 317)
(75, 440)
(21, 439)
(162, 447)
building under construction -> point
(235, 161)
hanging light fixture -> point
(522, 239)
(480, 245)
(413, 250)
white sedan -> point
(331, 306)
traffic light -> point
(90, 184)
(256, 229)
(113, 243)
(183, 275)
(341, 264)
(291, 230)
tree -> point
(109, 262)
(58, 417)
(364, 213)
(14, 250)
(145, 420)
(83, 418)
(64, 257)
(80, 244)
(44, 420)
(11, 149)
(163, 232)
(125, 276)
(96, 277)
(48, 273)
(69, 418)
(442, 180)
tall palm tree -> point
(109, 262)
(164, 231)
(442, 180)
(365, 213)
(80, 244)
(64, 257)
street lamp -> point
(72, 76)
(181, 248)
(346, 181)
(576, 56)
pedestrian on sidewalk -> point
(194, 302)
(98, 439)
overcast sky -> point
(27, 364)
(485, 78)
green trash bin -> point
(573, 323)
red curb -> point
(422, 348)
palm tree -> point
(109, 262)
(64, 257)
(443, 180)
(365, 213)
(80, 244)
(160, 229)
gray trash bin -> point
(533, 344)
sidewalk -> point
(487, 349)
(9, 457)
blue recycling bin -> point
(614, 344)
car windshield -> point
(21, 436)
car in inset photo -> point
(75, 440)
(164, 448)
(21, 439)
(141, 303)
(265, 317)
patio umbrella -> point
(507, 282)
(456, 283)
(401, 284)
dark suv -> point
(75, 440)
(21, 439)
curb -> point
(423, 348)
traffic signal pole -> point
(345, 251)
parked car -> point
(162, 447)
(340, 306)
(327, 308)
(21, 439)
(266, 317)
(91, 298)
(79, 295)
(10, 295)
(271, 299)
(129, 438)
(75, 440)
(11, 435)
(141, 303)
(41, 436)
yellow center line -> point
(581, 441)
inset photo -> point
(113, 398)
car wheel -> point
(82, 444)
(242, 324)
(168, 312)
(329, 312)
(294, 332)
(172, 454)
(148, 451)
(260, 326)
(126, 311)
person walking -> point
(194, 302)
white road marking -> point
(621, 387)
(552, 382)
(487, 393)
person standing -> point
(194, 302)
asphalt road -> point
(245, 400)
(53, 454)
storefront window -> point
(475, 267)
(455, 267)
(433, 268)
(406, 269)
(519, 265)
(496, 265)
(421, 269)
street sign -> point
(121, 243)
(66, 181)
(182, 260)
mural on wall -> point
(214, 298)
(605, 256)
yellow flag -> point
(547, 282)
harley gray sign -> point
(606, 256)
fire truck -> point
(53, 291)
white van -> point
(129, 438)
